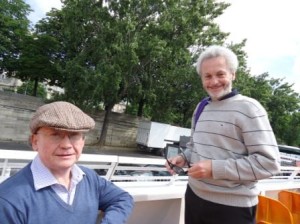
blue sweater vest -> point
(21, 203)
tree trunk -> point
(105, 125)
(141, 107)
(36, 83)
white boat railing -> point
(112, 167)
(158, 195)
(121, 168)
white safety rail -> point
(108, 166)
(158, 197)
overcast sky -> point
(270, 27)
(273, 39)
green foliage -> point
(38, 58)
(37, 61)
(291, 134)
(283, 108)
(27, 88)
(13, 27)
(165, 75)
(131, 50)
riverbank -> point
(90, 149)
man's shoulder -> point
(246, 100)
(248, 105)
(16, 184)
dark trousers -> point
(199, 211)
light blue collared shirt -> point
(42, 177)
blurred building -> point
(9, 83)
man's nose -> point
(214, 80)
(66, 140)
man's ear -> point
(233, 76)
(33, 142)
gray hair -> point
(218, 51)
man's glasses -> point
(58, 136)
(172, 151)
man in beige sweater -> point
(232, 147)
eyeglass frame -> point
(57, 136)
(177, 169)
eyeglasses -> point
(171, 151)
(58, 136)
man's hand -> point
(176, 160)
(202, 169)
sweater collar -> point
(231, 94)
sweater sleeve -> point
(116, 203)
(9, 214)
(190, 143)
(262, 159)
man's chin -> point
(217, 95)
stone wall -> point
(122, 130)
(16, 111)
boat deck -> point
(158, 199)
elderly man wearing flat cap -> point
(52, 188)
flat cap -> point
(63, 116)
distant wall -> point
(16, 111)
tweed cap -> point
(63, 116)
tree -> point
(13, 27)
(291, 135)
(283, 108)
(165, 56)
(37, 60)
